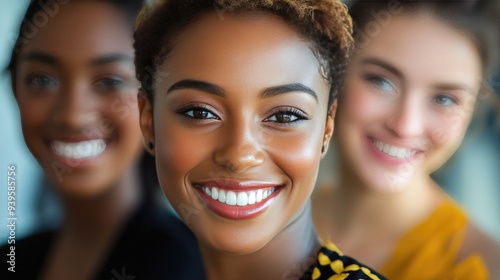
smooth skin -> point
(414, 86)
(75, 81)
(258, 112)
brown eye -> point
(199, 113)
(42, 81)
(283, 118)
(287, 117)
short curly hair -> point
(325, 24)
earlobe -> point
(146, 121)
(329, 128)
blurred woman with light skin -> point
(409, 96)
(74, 81)
(239, 125)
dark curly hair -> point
(325, 24)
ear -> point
(146, 121)
(329, 128)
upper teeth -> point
(394, 151)
(79, 150)
(238, 198)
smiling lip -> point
(391, 154)
(237, 200)
(77, 151)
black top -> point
(153, 245)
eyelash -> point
(293, 112)
(376, 80)
(299, 115)
(117, 83)
(453, 100)
(200, 108)
(34, 81)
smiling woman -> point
(239, 126)
(409, 96)
(74, 81)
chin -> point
(79, 188)
(389, 182)
(241, 246)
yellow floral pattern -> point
(331, 264)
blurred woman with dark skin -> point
(74, 81)
(409, 96)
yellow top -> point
(429, 251)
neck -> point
(98, 217)
(360, 207)
(287, 256)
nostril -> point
(239, 159)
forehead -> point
(79, 27)
(255, 51)
(422, 46)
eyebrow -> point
(452, 87)
(198, 85)
(387, 66)
(219, 91)
(40, 57)
(110, 58)
(288, 88)
(49, 59)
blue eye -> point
(444, 100)
(287, 116)
(381, 83)
(42, 81)
(198, 113)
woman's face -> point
(76, 90)
(408, 100)
(239, 119)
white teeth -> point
(251, 198)
(394, 151)
(207, 190)
(79, 150)
(231, 198)
(258, 196)
(222, 196)
(237, 198)
(242, 199)
(215, 194)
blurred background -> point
(471, 177)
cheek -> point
(34, 114)
(179, 150)
(298, 156)
(124, 113)
(358, 103)
(449, 127)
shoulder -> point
(477, 242)
(25, 256)
(33, 243)
(155, 244)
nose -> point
(407, 118)
(74, 107)
(240, 150)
